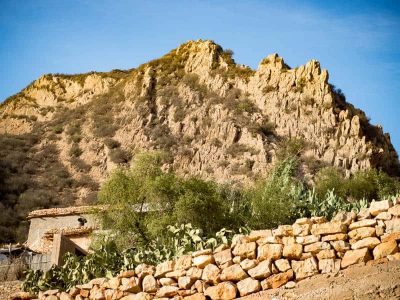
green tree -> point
(328, 179)
(274, 200)
(201, 204)
(136, 197)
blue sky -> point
(357, 41)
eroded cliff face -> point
(217, 119)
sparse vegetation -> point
(79, 165)
(111, 143)
(237, 149)
(120, 156)
(290, 147)
(31, 177)
(75, 151)
(300, 84)
(269, 88)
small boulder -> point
(248, 286)
(352, 257)
(385, 249)
(262, 270)
(305, 268)
(270, 251)
(222, 291)
(277, 280)
(233, 273)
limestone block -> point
(334, 237)
(277, 280)
(316, 247)
(363, 214)
(329, 265)
(301, 229)
(362, 223)
(248, 286)
(143, 269)
(149, 284)
(395, 210)
(385, 249)
(223, 256)
(318, 220)
(328, 228)
(262, 270)
(369, 242)
(201, 252)
(377, 207)
(288, 240)
(167, 291)
(361, 233)
(345, 217)
(222, 291)
(269, 240)
(113, 283)
(131, 286)
(211, 274)
(306, 240)
(248, 264)
(283, 230)
(386, 215)
(233, 273)
(340, 246)
(126, 274)
(352, 257)
(326, 254)
(197, 296)
(168, 282)
(270, 251)
(303, 221)
(203, 260)
(199, 286)
(183, 263)
(392, 257)
(282, 264)
(164, 268)
(392, 225)
(194, 272)
(246, 250)
(175, 274)
(305, 268)
(221, 247)
(260, 233)
(380, 230)
(63, 296)
(391, 236)
(292, 251)
(185, 282)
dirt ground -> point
(7, 288)
(357, 282)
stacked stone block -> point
(264, 259)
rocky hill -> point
(62, 135)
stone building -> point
(55, 231)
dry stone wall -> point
(264, 259)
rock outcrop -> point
(217, 119)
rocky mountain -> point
(62, 135)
